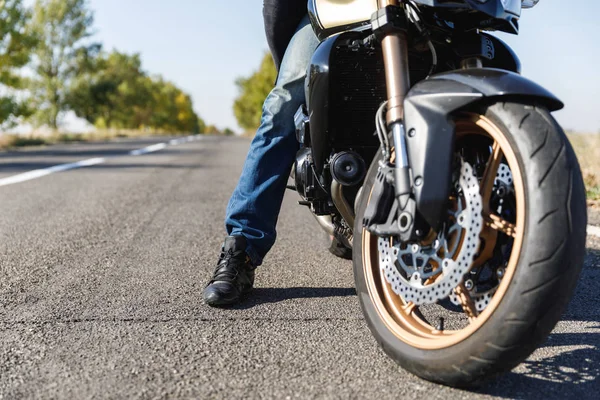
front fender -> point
(428, 110)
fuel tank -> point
(333, 16)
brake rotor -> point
(481, 300)
(427, 274)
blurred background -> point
(76, 70)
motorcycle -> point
(425, 152)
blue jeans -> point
(254, 207)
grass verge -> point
(587, 148)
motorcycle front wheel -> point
(530, 253)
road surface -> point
(101, 277)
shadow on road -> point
(573, 373)
(276, 295)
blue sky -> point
(204, 45)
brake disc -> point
(427, 274)
(504, 176)
(481, 300)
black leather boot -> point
(233, 276)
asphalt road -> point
(101, 274)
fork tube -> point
(395, 60)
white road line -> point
(175, 142)
(39, 173)
(593, 230)
(149, 149)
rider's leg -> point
(256, 201)
(255, 204)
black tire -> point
(548, 267)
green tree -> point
(63, 29)
(113, 92)
(187, 119)
(253, 91)
(212, 129)
(172, 109)
(201, 125)
(15, 48)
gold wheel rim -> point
(399, 317)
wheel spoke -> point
(499, 224)
(489, 176)
(489, 237)
(409, 308)
(466, 301)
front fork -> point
(389, 26)
(394, 45)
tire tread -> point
(552, 164)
